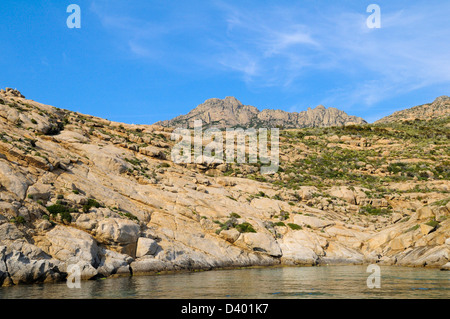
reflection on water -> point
(282, 282)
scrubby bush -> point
(57, 209)
(295, 226)
(281, 224)
(245, 228)
(18, 220)
(432, 223)
(90, 203)
(62, 210)
(369, 210)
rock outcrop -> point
(440, 108)
(232, 113)
(80, 190)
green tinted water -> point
(264, 283)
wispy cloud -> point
(407, 53)
(284, 45)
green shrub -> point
(18, 220)
(62, 210)
(432, 223)
(245, 228)
(442, 202)
(133, 161)
(295, 226)
(412, 228)
(235, 215)
(281, 224)
(129, 216)
(65, 216)
(90, 203)
(374, 211)
(284, 215)
(57, 209)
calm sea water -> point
(259, 283)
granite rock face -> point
(230, 112)
(80, 190)
(440, 108)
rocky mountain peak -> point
(442, 98)
(231, 100)
(11, 92)
(230, 112)
(440, 108)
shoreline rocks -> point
(79, 190)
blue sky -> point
(141, 61)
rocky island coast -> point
(81, 190)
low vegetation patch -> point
(294, 226)
(90, 203)
(62, 210)
(245, 228)
(369, 210)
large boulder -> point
(301, 247)
(71, 246)
(3, 269)
(10, 232)
(119, 234)
(13, 180)
(314, 222)
(107, 159)
(152, 152)
(8, 210)
(344, 193)
(113, 263)
(23, 270)
(307, 192)
(149, 264)
(28, 250)
(230, 235)
(260, 242)
(426, 229)
(424, 256)
(338, 253)
(146, 246)
(40, 191)
(423, 213)
(267, 205)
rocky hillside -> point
(76, 189)
(440, 108)
(232, 113)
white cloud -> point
(284, 45)
(411, 51)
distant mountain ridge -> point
(230, 112)
(438, 109)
